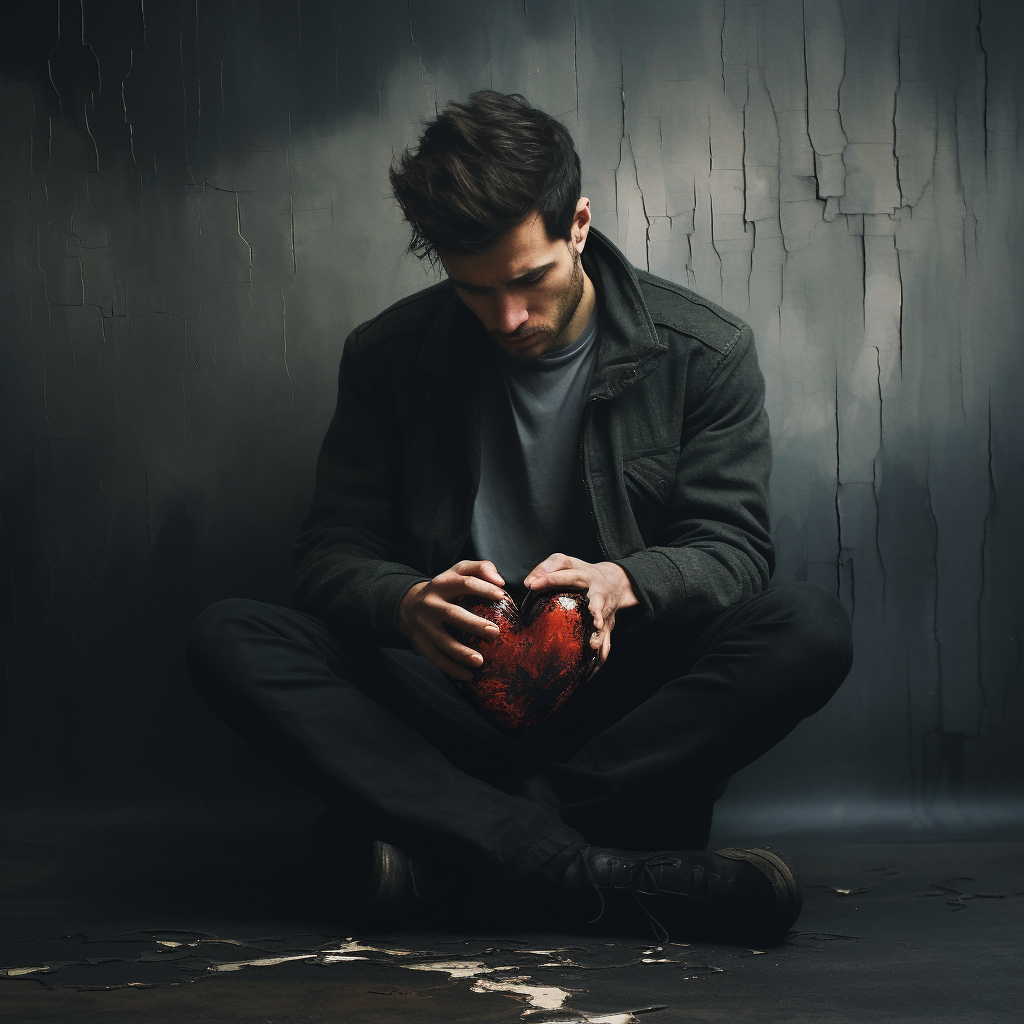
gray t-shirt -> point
(530, 500)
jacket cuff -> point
(657, 582)
(390, 591)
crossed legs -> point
(635, 759)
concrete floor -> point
(148, 926)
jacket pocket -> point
(648, 478)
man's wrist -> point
(402, 617)
(624, 585)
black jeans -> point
(634, 759)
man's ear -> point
(580, 224)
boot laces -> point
(642, 882)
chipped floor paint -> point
(479, 975)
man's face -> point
(526, 288)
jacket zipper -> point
(473, 486)
(469, 521)
(583, 470)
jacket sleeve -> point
(345, 558)
(717, 548)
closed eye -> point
(523, 282)
(535, 280)
(526, 281)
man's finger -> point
(559, 578)
(472, 585)
(557, 561)
(451, 648)
(602, 657)
(490, 572)
(550, 564)
(445, 664)
(484, 569)
(464, 619)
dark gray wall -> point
(194, 211)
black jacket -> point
(675, 454)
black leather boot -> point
(733, 895)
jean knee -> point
(213, 635)
(822, 635)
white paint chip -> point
(457, 968)
(266, 961)
(542, 997)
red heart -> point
(541, 656)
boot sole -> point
(789, 898)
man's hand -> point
(607, 586)
(426, 608)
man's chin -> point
(524, 348)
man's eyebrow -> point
(533, 272)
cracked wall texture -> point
(195, 213)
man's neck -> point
(581, 317)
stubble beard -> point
(568, 302)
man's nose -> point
(510, 313)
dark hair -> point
(480, 168)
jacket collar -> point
(628, 344)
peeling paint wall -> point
(195, 212)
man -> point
(548, 416)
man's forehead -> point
(521, 251)
(479, 274)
